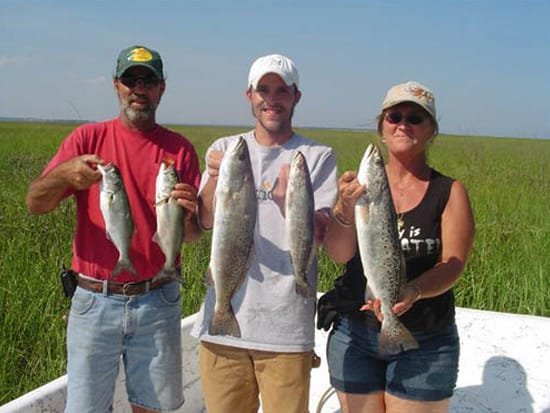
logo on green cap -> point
(140, 54)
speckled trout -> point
(119, 224)
(299, 210)
(381, 255)
(169, 234)
(235, 209)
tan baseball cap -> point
(411, 91)
(274, 63)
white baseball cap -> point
(411, 91)
(273, 63)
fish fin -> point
(250, 258)
(111, 199)
(162, 201)
(208, 277)
(397, 339)
(369, 294)
(303, 288)
(224, 323)
(362, 210)
(240, 281)
(156, 238)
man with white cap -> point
(274, 354)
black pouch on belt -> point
(69, 281)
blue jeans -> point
(428, 373)
(144, 330)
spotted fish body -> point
(299, 212)
(380, 251)
(170, 230)
(115, 209)
(235, 210)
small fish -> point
(299, 212)
(380, 251)
(235, 209)
(119, 225)
(170, 231)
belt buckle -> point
(126, 287)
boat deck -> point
(504, 368)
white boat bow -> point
(504, 368)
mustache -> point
(132, 98)
(267, 107)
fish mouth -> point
(105, 168)
(371, 151)
(237, 146)
(297, 155)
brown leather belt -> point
(128, 289)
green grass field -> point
(509, 269)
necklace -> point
(400, 222)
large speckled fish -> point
(114, 206)
(299, 212)
(381, 255)
(170, 232)
(235, 209)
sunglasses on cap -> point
(395, 117)
(147, 81)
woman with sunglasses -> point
(436, 232)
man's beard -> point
(282, 125)
(141, 115)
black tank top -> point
(421, 244)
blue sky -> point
(488, 62)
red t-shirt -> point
(138, 156)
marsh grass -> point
(509, 269)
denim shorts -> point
(428, 373)
(144, 330)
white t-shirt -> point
(271, 315)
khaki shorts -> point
(232, 378)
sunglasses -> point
(395, 117)
(147, 81)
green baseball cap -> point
(139, 56)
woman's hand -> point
(410, 294)
(349, 190)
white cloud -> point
(95, 81)
(5, 61)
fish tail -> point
(396, 338)
(124, 264)
(224, 323)
(303, 288)
(169, 274)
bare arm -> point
(340, 240)
(46, 192)
(457, 238)
(206, 196)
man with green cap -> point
(134, 314)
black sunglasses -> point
(396, 117)
(147, 81)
